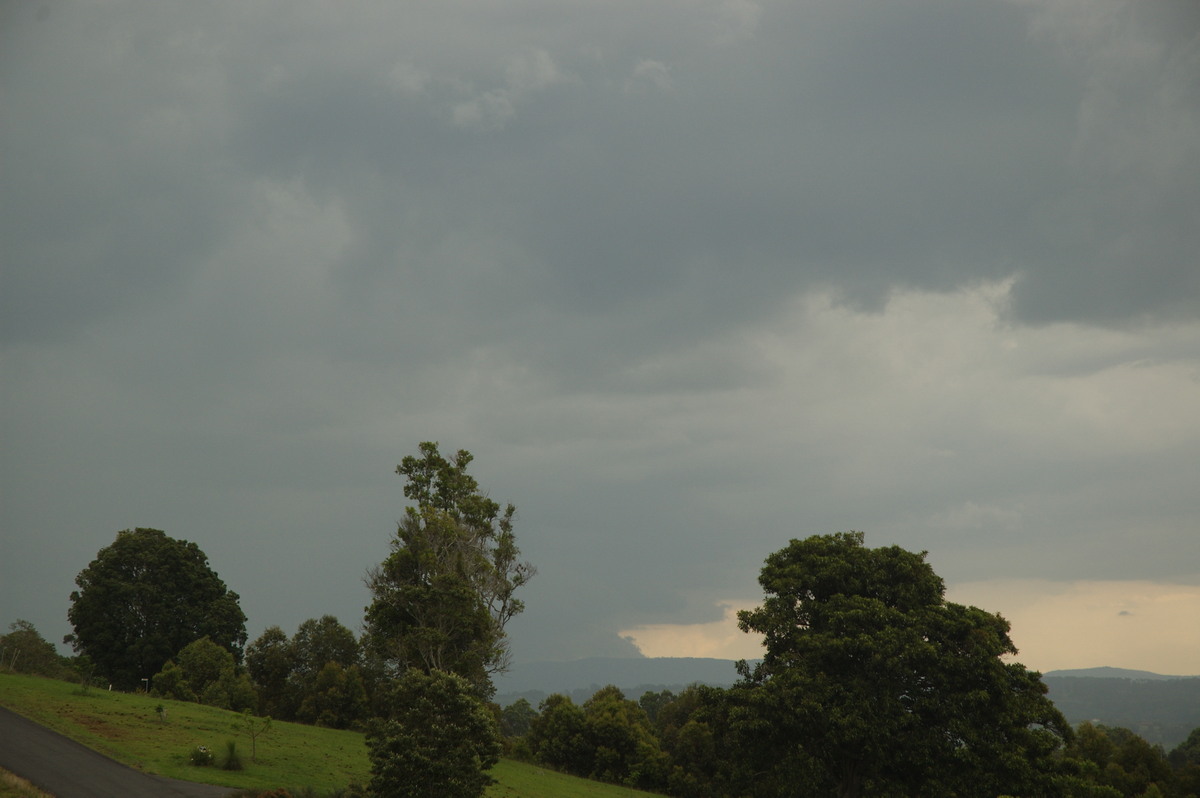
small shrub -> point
(201, 756)
(232, 760)
(85, 684)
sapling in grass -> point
(253, 728)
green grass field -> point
(127, 728)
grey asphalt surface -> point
(66, 769)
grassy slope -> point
(127, 728)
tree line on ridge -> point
(872, 683)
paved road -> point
(66, 769)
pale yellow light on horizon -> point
(717, 639)
(1140, 625)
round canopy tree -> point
(874, 684)
(143, 599)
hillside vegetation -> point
(128, 728)
(1162, 710)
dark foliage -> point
(438, 740)
(24, 650)
(873, 684)
(316, 677)
(441, 599)
(143, 599)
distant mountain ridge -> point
(627, 673)
(1106, 672)
(1162, 709)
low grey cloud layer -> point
(689, 278)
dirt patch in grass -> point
(104, 729)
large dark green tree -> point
(440, 602)
(1185, 758)
(144, 598)
(441, 599)
(315, 677)
(558, 736)
(610, 738)
(626, 750)
(437, 741)
(271, 661)
(1123, 762)
(206, 672)
(327, 676)
(319, 641)
(873, 684)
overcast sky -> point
(690, 278)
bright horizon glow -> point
(716, 639)
(1139, 625)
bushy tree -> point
(232, 690)
(440, 602)
(558, 736)
(1185, 759)
(319, 641)
(337, 698)
(202, 662)
(1121, 760)
(314, 677)
(438, 739)
(625, 750)
(873, 684)
(144, 598)
(441, 599)
(652, 702)
(517, 717)
(327, 677)
(24, 650)
(271, 660)
(203, 671)
(172, 682)
(1187, 752)
(689, 729)
(609, 738)
(696, 760)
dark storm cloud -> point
(911, 143)
(254, 253)
(111, 189)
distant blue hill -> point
(1111, 673)
(1162, 709)
(580, 678)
